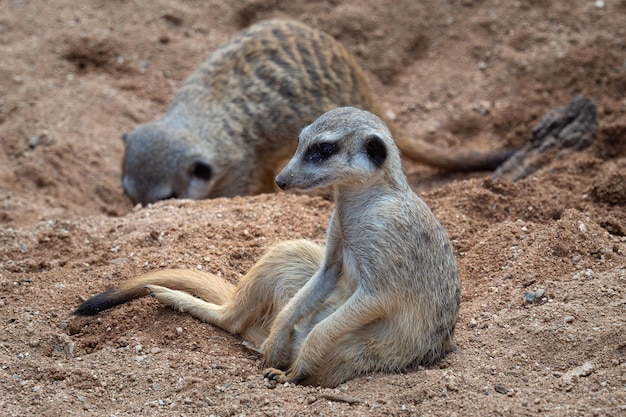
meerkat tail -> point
(450, 159)
(206, 286)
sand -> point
(472, 75)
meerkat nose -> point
(282, 184)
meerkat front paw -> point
(281, 377)
(274, 374)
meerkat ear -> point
(376, 150)
(201, 170)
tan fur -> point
(235, 120)
(382, 295)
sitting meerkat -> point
(235, 120)
(383, 294)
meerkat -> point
(235, 119)
(382, 295)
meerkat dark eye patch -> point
(201, 170)
(319, 152)
(376, 150)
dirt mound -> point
(542, 321)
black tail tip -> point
(97, 303)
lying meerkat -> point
(383, 295)
(235, 120)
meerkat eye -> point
(320, 151)
(201, 170)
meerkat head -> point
(159, 164)
(345, 146)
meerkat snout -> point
(281, 182)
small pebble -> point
(568, 319)
(530, 297)
(539, 293)
(451, 385)
(34, 141)
(580, 371)
(499, 388)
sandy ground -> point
(471, 74)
